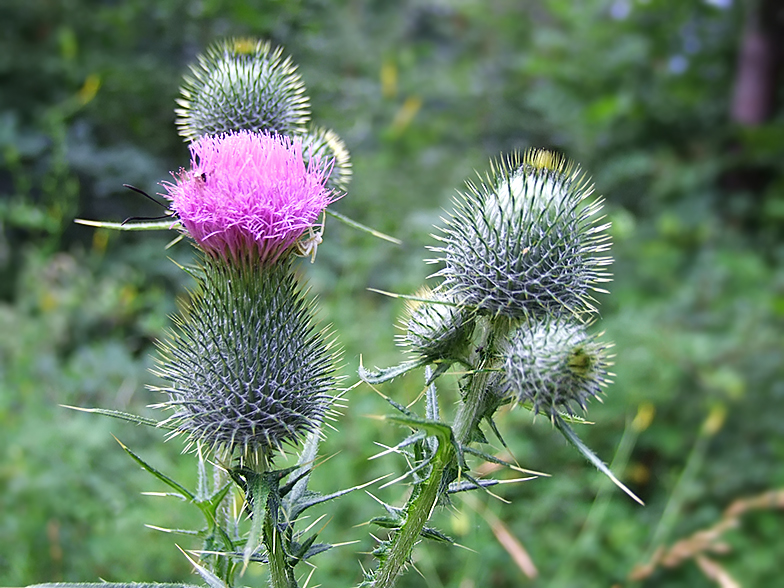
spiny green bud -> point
(435, 330)
(555, 365)
(523, 243)
(330, 151)
(242, 84)
(245, 367)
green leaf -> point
(496, 460)
(572, 437)
(189, 532)
(435, 535)
(387, 522)
(259, 489)
(145, 226)
(162, 477)
(436, 428)
(212, 580)
(123, 416)
(386, 374)
(296, 507)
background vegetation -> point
(675, 109)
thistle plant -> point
(249, 375)
(519, 255)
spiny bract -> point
(434, 330)
(554, 365)
(242, 84)
(245, 366)
(326, 147)
(523, 243)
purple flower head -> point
(249, 196)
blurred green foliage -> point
(423, 92)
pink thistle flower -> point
(249, 196)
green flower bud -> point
(437, 331)
(245, 367)
(524, 243)
(330, 151)
(555, 365)
(242, 84)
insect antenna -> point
(147, 218)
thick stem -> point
(471, 411)
(476, 400)
(264, 522)
(281, 574)
(418, 514)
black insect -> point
(147, 218)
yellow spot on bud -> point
(244, 45)
(544, 159)
(424, 293)
(580, 361)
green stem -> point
(264, 528)
(419, 512)
(281, 574)
(475, 402)
(470, 412)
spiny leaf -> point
(387, 522)
(212, 580)
(572, 437)
(145, 226)
(435, 535)
(496, 460)
(162, 477)
(386, 374)
(124, 416)
(313, 498)
(440, 430)
(175, 531)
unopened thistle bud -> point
(555, 365)
(249, 196)
(245, 367)
(328, 149)
(242, 84)
(435, 330)
(524, 243)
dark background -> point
(674, 108)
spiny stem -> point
(475, 401)
(468, 416)
(419, 512)
(281, 574)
